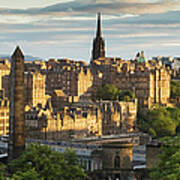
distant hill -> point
(27, 57)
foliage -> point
(168, 167)
(2, 171)
(110, 92)
(175, 89)
(159, 121)
(30, 174)
(45, 163)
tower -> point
(98, 43)
(17, 115)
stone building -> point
(41, 123)
(4, 76)
(32, 66)
(80, 120)
(73, 78)
(96, 119)
(4, 116)
(148, 80)
(34, 89)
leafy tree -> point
(2, 171)
(30, 174)
(175, 114)
(162, 122)
(45, 163)
(126, 95)
(175, 89)
(168, 167)
(110, 92)
(159, 121)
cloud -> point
(171, 44)
(76, 7)
(137, 35)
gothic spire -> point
(98, 43)
(99, 25)
(18, 53)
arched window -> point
(117, 161)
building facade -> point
(4, 116)
(34, 89)
(148, 80)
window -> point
(117, 161)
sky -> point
(66, 28)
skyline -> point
(67, 29)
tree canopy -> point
(168, 167)
(175, 89)
(110, 92)
(39, 162)
(159, 121)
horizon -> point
(66, 29)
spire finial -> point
(99, 25)
(18, 52)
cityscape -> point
(106, 118)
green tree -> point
(126, 95)
(175, 114)
(175, 89)
(2, 171)
(108, 92)
(45, 163)
(168, 167)
(30, 174)
(159, 121)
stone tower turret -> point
(98, 43)
(17, 115)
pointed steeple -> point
(18, 53)
(98, 43)
(99, 25)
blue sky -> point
(66, 28)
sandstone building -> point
(4, 76)
(74, 78)
(4, 116)
(149, 81)
(98, 118)
(34, 89)
(80, 120)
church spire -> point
(99, 25)
(98, 43)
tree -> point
(45, 163)
(168, 167)
(162, 122)
(110, 92)
(30, 174)
(126, 95)
(175, 89)
(2, 171)
(159, 121)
